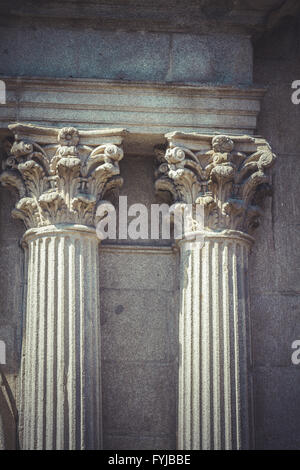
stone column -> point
(61, 176)
(226, 177)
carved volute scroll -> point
(61, 174)
(226, 174)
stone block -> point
(277, 417)
(124, 55)
(197, 58)
(139, 398)
(279, 117)
(262, 274)
(275, 325)
(141, 270)
(277, 239)
(86, 53)
(137, 325)
(287, 242)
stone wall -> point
(139, 284)
(123, 55)
(275, 262)
(138, 287)
(11, 300)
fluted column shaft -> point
(223, 179)
(61, 392)
(214, 389)
(61, 176)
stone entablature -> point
(144, 108)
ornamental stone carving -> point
(61, 174)
(225, 174)
(228, 177)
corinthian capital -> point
(226, 174)
(61, 174)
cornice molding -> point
(151, 109)
(88, 85)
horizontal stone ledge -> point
(141, 107)
(88, 85)
(137, 249)
(134, 143)
(48, 135)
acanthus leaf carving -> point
(223, 173)
(62, 181)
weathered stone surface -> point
(122, 55)
(190, 16)
(99, 40)
(148, 109)
(276, 65)
(262, 278)
(138, 325)
(138, 188)
(61, 355)
(11, 230)
(128, 384)
(135, 442)
(276, 401)
(227, 176)
(214, 343)
(211, 59)
(280, 132)
(277, 51)
(278, 237)
(7, 422)
(272, 313)
(61, 175)
(10, 332)
(123, 267)
(12, 281)
(287, 244)
(274, 263)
